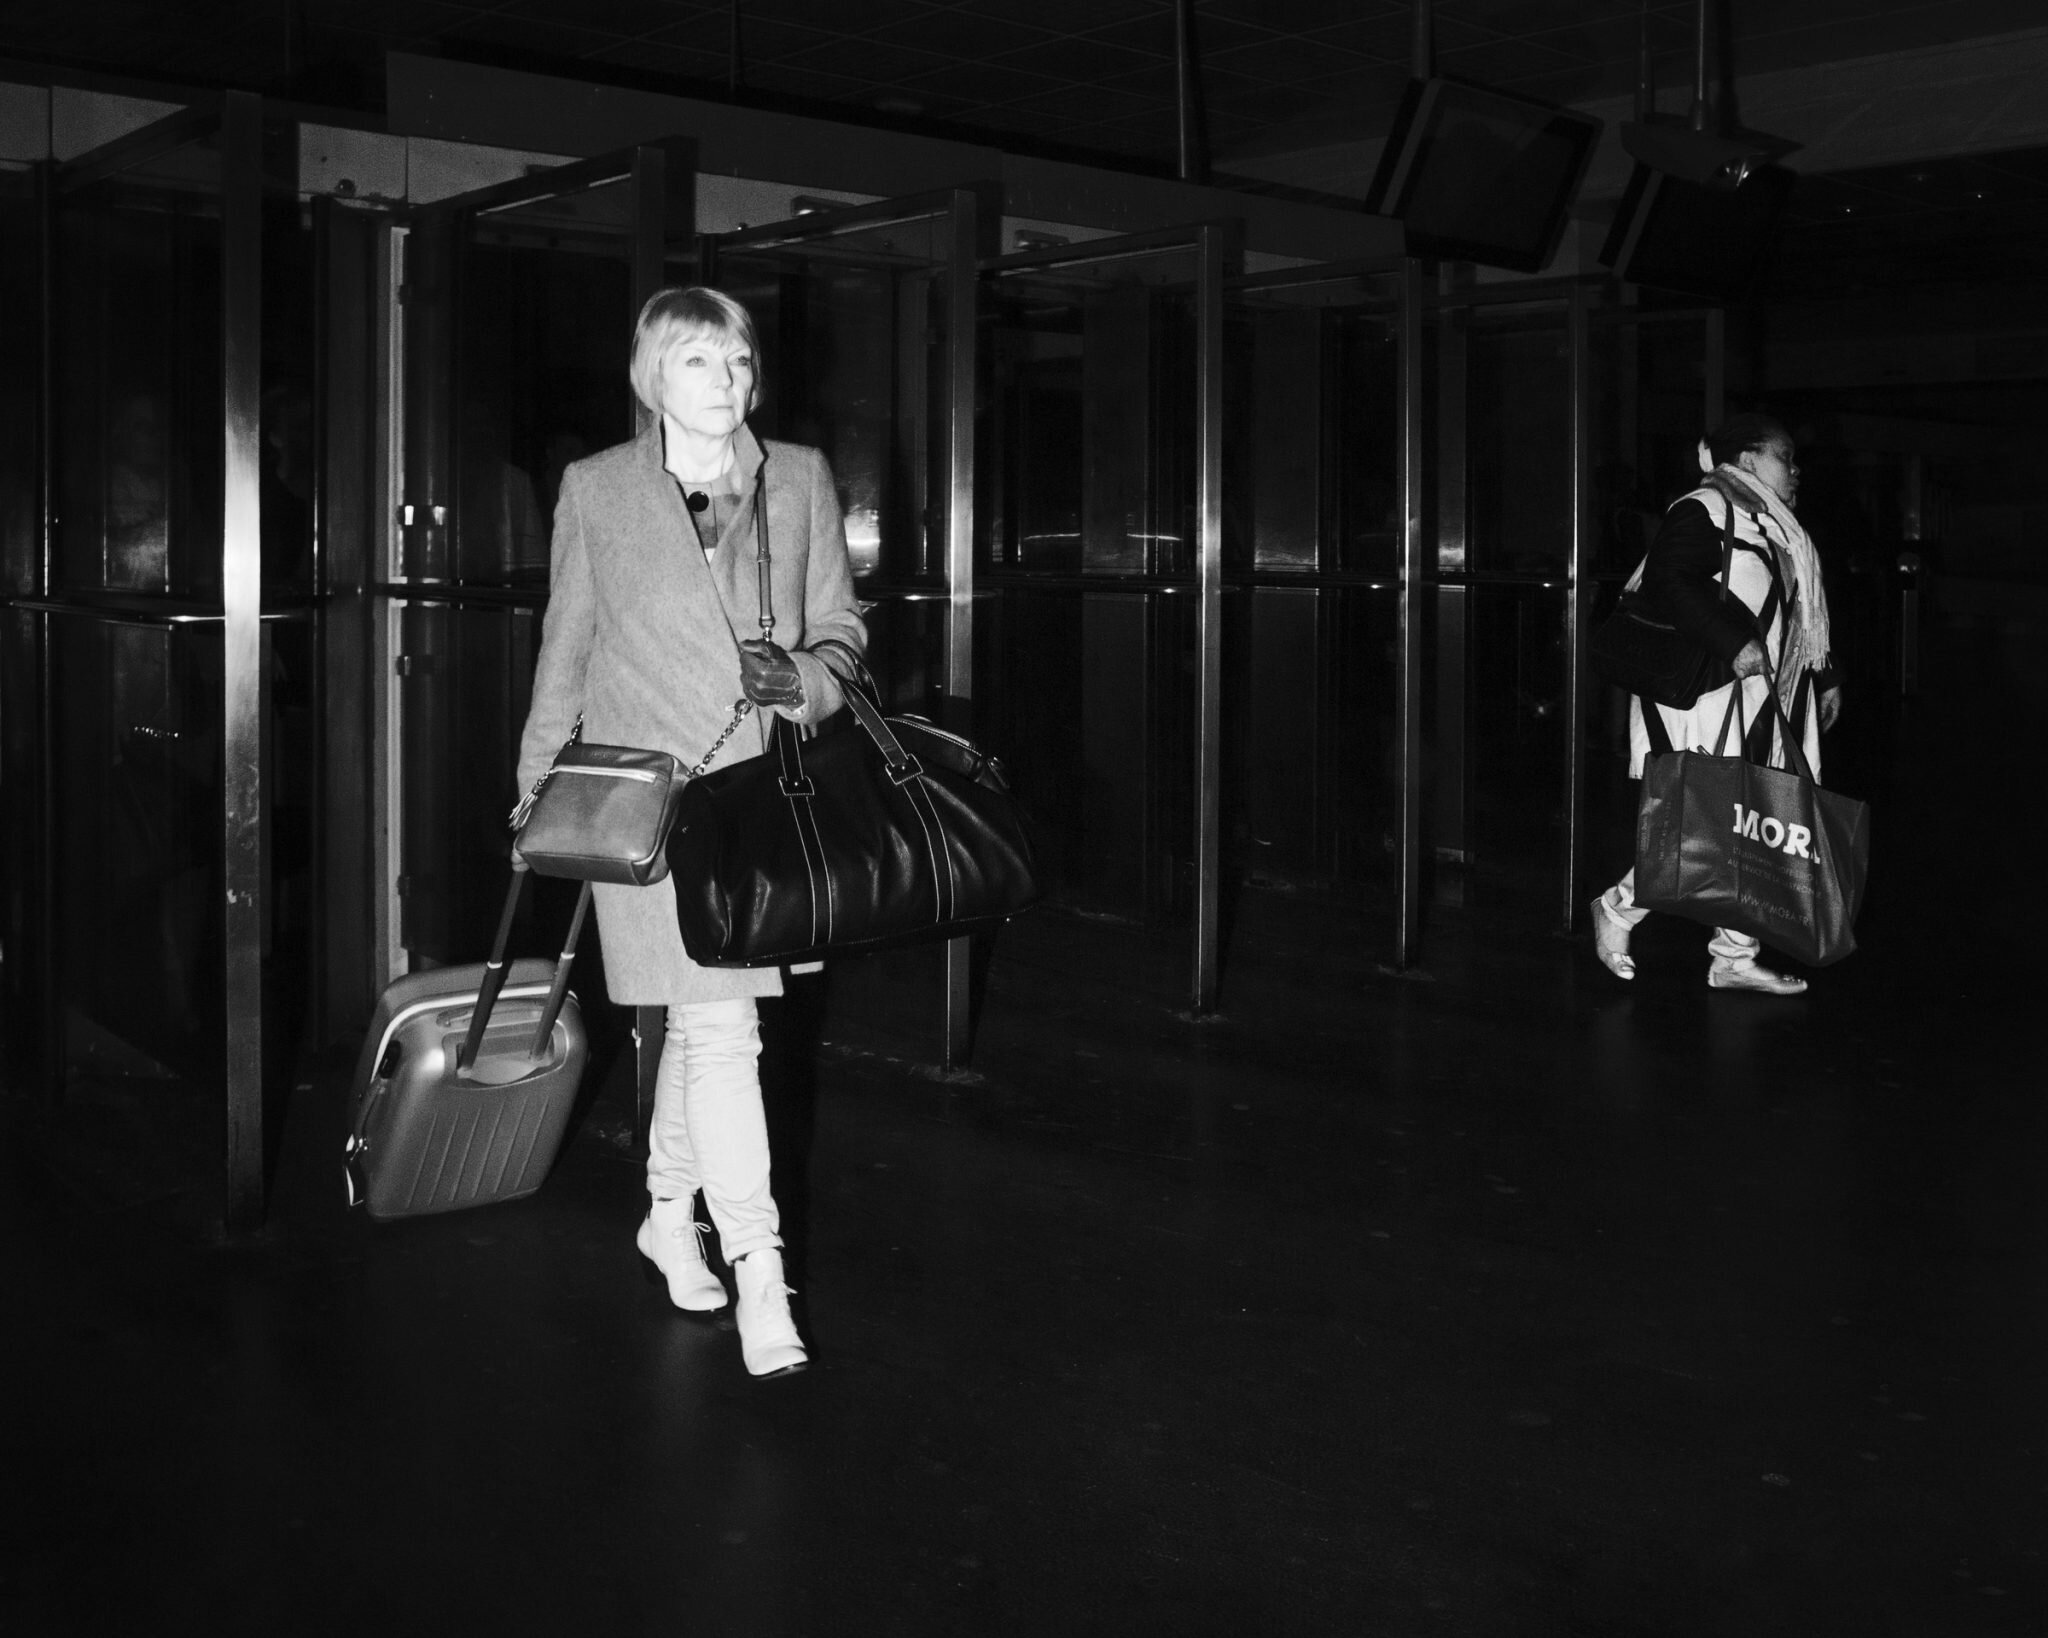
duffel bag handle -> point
(861, 701)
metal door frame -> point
(1218, 250)
(235, 121)
(416, 561)
(1580, 299)
(1413, 579)
(971, 220)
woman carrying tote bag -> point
(651, 636)
(1778, 609)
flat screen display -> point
(1697, 241)
(1480, 175)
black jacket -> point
(1682, 583)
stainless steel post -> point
(1408, 687)
(649, 183)
(1578, 345)
(1209, 250)
(241, 161)
(963, 285)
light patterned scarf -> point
(1807, 641)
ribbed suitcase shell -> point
(425, 1137)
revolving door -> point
(157, 652)
(517, 321)
(1564, 420)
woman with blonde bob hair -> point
(653, 636)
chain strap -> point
(740, 709)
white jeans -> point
(1729, 948)
(708, 1130)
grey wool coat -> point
(642, 637)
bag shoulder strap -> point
(1653, 725)
(763, 581)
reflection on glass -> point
(853, 359)
(545, 320)
(1518, 416)
(1648, 383)
(138, 432)
(138, 777)
(1312, 385)
(1093, 407)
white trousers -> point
(708, 1130)
(1728, 947)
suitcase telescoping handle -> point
(496, 968)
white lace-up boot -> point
(768, 1340)
(670, 1239)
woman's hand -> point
(1830, 707)
(1750, 662)
(769, 675)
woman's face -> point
(707, 385)
(1774, 467)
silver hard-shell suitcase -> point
(466, 1080)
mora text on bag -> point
(1773, 833)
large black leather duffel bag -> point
(884, 831)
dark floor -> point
(1502, 1300)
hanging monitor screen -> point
(1676, 235)
(1482, 176)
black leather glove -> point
(769, 675)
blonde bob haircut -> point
(677, 315)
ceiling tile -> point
(1063, 16)
(1159, 83)
(971, 39)
(1076, 61)
(868, 60)
(654, 58)
(628, 17)
(832, 16)
(412, 19)
(530, 34)
(1301, 16)
(760, 41)
(1153, 34)
(988, 84)
(1371, 39)
(1285, 60)
(803, 82)
(1081, 104)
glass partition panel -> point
(1089, 526)
(137, 404)
(1311, 736)
(1518, 447)
(468, 676)
(1649, 385)
(21, 342)
(1312, 387)
(1092, 403)
(854, 348)
(118, 640)
(1314, 546)
(542, 331)
(1517, 786)
(1654, 380)
(136, 771)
